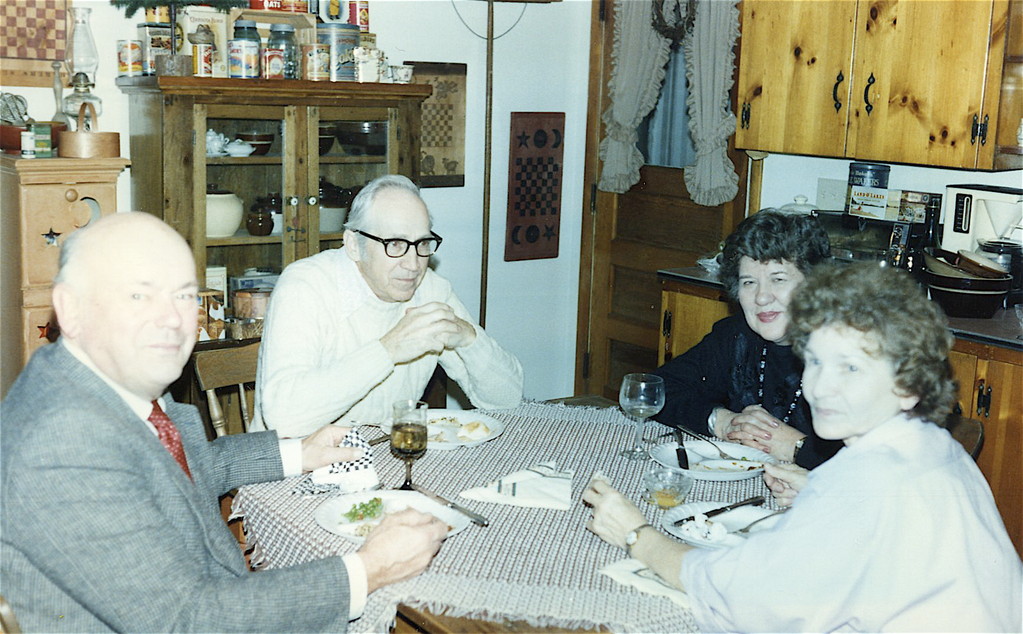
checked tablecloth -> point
(535, 565)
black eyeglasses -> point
(398, 247)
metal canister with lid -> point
(342, 40)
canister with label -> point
(342, 40)
(243, 51)
(129, 58)
(155, 40)
(316, 62)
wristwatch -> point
(632, 537)
(799, 445)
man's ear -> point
(67, 303)
(352, 246)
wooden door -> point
(921, 66)
(795, 69)
(626, 238)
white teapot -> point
(216, 143)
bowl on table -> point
(666, 487)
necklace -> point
(760, 389)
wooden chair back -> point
(968, 431)
(222, 368)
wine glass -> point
(408, 435)
(641, 396)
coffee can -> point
(273, 63)
(129, 58)
(316, 62)
(202, 60)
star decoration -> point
(523, 140)
(51, 237)
(48, 332)
(548, 232)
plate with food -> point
(454, 428)
(354, 516)
(717, 531)
(705, 463)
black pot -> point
(964, 303)
(967, 283)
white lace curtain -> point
(637, 72)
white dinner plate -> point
(453, 428)
(331, 514)
(706, 464)
(732, 520)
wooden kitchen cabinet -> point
(930, 82)
(170, 117)
(688, 312)
(43, 202)
(991, 390)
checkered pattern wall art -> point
(442, 137)
(33, 34)
(535, 175)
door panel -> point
(796, 62)
(626, 238)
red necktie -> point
(169, 436)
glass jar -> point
(282, 37)
(243, 51)
(73, 103)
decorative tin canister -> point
(342, 40)
(316, 62)
(129, 58)
(242, 59)
(202, 60)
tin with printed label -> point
(316, 62)
(243, 59)
(129, 58)
(202, 60)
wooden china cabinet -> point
(43, 201)
(170, 117)
(910, 81)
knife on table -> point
(680, 453)
(476, 518)
(724, 509)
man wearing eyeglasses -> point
(351, 330)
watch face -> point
(631, 538)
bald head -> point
(125, 295)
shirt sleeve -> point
(358, 585)
(291, 456)
(488, 374)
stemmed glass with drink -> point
(641, 396)
(408, 435)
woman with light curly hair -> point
(911, 535)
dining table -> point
(536, 566)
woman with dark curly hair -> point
(741, 383)
(911, 537)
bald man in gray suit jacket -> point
(102, 528)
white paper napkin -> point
(633, 572)
(540, 486)
(343, 477)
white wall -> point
(540, 65)
(787, 176)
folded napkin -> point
(343, 477)
(633, 572)
(540, 486)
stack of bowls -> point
(261, 142)
(961, 293)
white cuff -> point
(358, 585)
(710, 422)
(291, 456)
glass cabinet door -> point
(248, 203)
(350, 147)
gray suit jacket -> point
(101, 530)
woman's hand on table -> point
(614, 516)
(755, 427)
(320, 448)
(785, 481)
(401, 547)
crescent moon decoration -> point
(535, 177)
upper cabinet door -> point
(919, 80)
(794, 76)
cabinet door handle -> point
(71, 195)
(987, 402)
(292, 200)
(980, 397)
(311, 200)
(866, 94)
(834, 91)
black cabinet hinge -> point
(979, 130)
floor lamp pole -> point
(485, 256)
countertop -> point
(1004, 329)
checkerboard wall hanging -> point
(535, 174)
